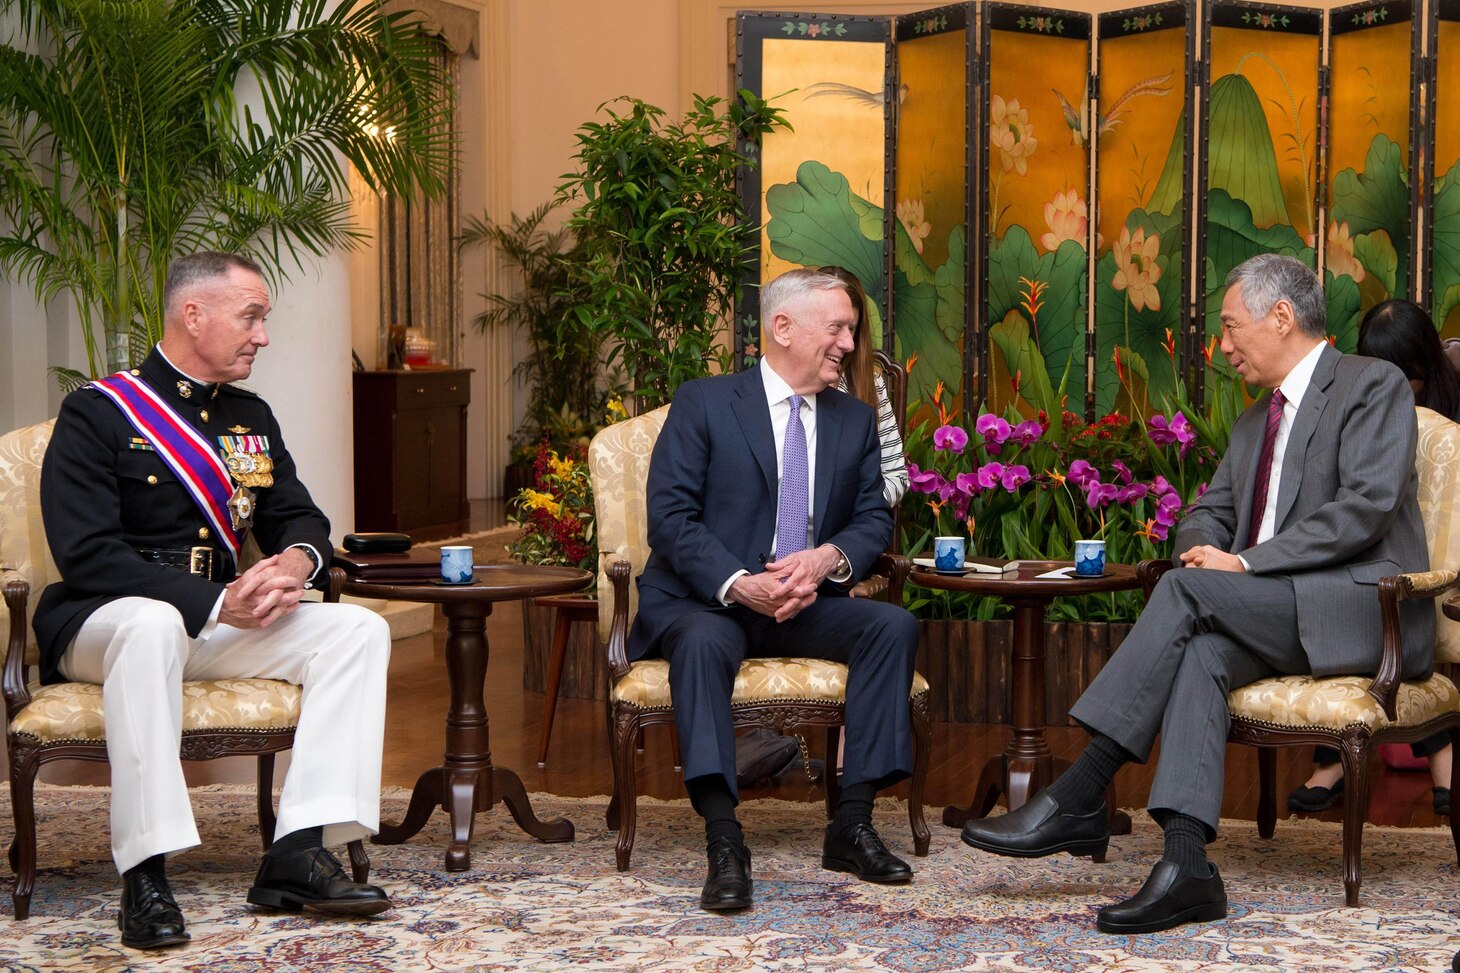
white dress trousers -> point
(139, 652)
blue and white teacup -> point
(1089, 558)
(949, 553)
(456, 564)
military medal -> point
(185, 389)
(240, 509)
(248, 460)
(238, 430)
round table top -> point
(1024, 582)
(491, 582)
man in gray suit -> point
(1312, 505)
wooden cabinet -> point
(410, 451)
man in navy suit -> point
(765, 505)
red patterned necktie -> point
(1264, 464)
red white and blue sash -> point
(190, 457)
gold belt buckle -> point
(201, 562)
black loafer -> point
(1455, 963)
(1313, 799)
(727, 883)
(1442, 801)
(150, 918)
(860, 851)
(1167, 900)
(1040, 828)
(313, 878)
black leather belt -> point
(205, 562)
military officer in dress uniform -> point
(152, 480)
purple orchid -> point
(951, 438)
(1099, 494)
(989, 474)
(1082, 474)
(1122, 472)
(1026, 433)
(992, 428)
(923, 481)
(1014, 477)
(967, 484)
(1132, 493)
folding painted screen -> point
(1143, 168)
(1444, 216)
(936, 296)
(820, 189)
(1036, 190)
(1259, 191)
(1371, 167)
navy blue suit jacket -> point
(712, 495)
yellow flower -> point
(1058, 478)
(1341, 259)
(1011, 133)
(561, 466)
(1136, 271)
(537, 500)
(616, 410)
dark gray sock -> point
(156, 865)
(1186, 844)
(710, 795)
(301, 840)
(854, 807)
(1082, 788)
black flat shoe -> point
(313, 878)
(861, 852)
(1312, 799)
(1040, 828)
(150, 918)
(727, 883)
(1442, 801)
(1167, 900)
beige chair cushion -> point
(618, 462)
(646, 685)
(71, 711)
(1340, 701)
(22, 538)
(1437, 465)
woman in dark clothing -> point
(1402, 333)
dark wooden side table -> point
(1026, 765)
(567, 611)
(466, 782)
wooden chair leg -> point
(359, 861)
(922, 730)
(23, 769)
(562, 624)
(265, 798)
(1355, 810)
(1266, 791)
(625, 732)
(833, 738)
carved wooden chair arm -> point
(17, 594)
(1150, 571)
(618, 632)
(1384, 690)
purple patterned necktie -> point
(794, 509)
(1264, 464)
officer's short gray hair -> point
(792, 288)
(1271, 277)
(189, 270)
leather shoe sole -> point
(292, 902)
(870, 862)
(1166, 901)
(727, 903)
(833, 863)
(181, 938)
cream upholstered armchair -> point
(781, 693)
(63, 721)
(1354, 714)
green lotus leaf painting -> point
(1447, 244)
(1369, 203)
(1057, 329)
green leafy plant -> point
(135, 131)
(663, 232)
(563, 364)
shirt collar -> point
(1301, 376)
(776, 389)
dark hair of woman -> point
(857, 367)
(1401, 332)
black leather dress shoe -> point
(1167, 900)
(1455, 963)
(1311, 800)
(1040, 828)
(861, 852)
(727, 884)
(313, 878)
(150, 918)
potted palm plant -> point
(136, 132)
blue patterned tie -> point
(793, 511)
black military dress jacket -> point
(105, 494)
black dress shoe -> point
(1167, 900)
(1455, 963)
(727, 884)
(1442, 801)
(1040, 828)
(313, 878)
(861, 852)
(1310, 800)
(150, 918)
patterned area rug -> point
(530, 906)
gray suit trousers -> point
(1202, 634)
